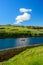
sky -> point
(21, 12)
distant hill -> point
(20, 31)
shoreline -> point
(6, 54)
(29, 46)
(19, 37)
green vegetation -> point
(20, 31)
(32, 56)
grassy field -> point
(32, 56)
(20, 31)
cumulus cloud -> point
(25, 10)
(24, 17)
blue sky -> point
(9, 10)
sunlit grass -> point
(32, 56)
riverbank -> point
(30, 56)
(6, 54)
(20, 36)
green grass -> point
(16, 31)
(32, 56)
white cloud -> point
(24, 17)
(25, 10)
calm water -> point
(18, 42)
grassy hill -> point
(20, 31)
(32, 56)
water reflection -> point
(21, 41)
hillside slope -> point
(32, 56)
(20, 31)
